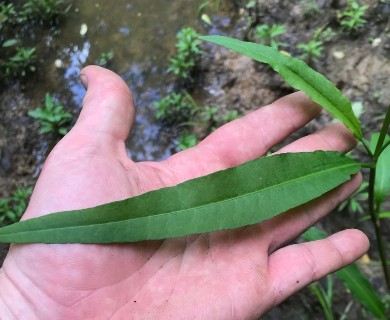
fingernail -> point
(84, 81)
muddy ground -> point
(232, 82)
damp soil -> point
(142, 36)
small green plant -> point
(52, 117)
(314, 47)
(8, 14)
(187, 140)
(19, 64)
(227, 116)
(354, 203)
(352, 16)
(213, 119)
(43, 10)
(187, 46)
(175, 107)
(269, 34)
(105, 58)
(311, 49)
(324, 296)
(12, 207)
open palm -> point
(237, 274)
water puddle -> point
(141, 34)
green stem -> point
(367, 147)
(368, 165)
(377, 225)
(382, 135)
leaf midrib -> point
(291, 181)
(323, 94)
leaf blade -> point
(382, 177)
(300, 76)
(200, 205)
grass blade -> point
(239, 196)
(300, 76)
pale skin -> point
(235, 274)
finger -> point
(334, 137)
(244, 139)
(313, 261)
(108, 109)
(287, 226)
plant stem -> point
(367, 165)
(377, 225)
(367, 147)
(382, 135)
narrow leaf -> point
(239, 196)
(382, 177)
(300, 76)
(355, 281)
(383, 133)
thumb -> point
(107, 106)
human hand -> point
(232, 274)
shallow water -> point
(141, 33)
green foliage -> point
(268, 34)
(299, 75)
(228, 116)
(325, 297)
(187, 47)
(43, 10)
(354, 202)
(8, 14)
(382, 177)
(191, 207)
(352, 16)
(187, 140)
(105, 58)
(20, 63)
(314, 47)
(210, 117)
(13, 207)
(175, 107)
(52, 117)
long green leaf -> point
(300, 76)
(355, 281)
(382, 177)
(239, 196)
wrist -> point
(13, 304)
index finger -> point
(244, 139)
